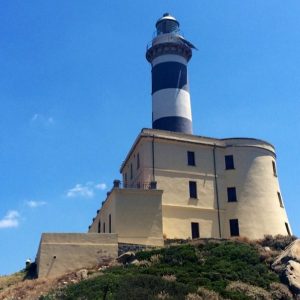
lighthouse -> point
(169, 54)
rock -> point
(126, 257)
(267, 249)
(82, 274)
(287, 264)
(135, 262)
(292, 252)
(102, 268)
(292, 274)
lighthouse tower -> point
(169, 54)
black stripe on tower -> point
(169, 75)
(177, 124)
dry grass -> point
(15, 287)
(7, 281)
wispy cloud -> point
(11, 219)
(42, 120)
(80, 190)
(101, 186)
(86, 190)
(34, 204)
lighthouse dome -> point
(167, 24)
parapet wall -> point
(60, 253)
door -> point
(195, 230)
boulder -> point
(292, 274)
(287, 264)
(126, 257)
(291, 252)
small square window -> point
(193, 189)
(280, 199)
(191, 158)
(234, 227)
(229, 164)
(231, 194)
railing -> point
(139, 185)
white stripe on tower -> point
(167, 58)
(171, 102)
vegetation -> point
(223, 270)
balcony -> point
(152, 185)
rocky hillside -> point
(202, 269)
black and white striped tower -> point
(169, 54)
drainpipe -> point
(217, 190)
(153, 164)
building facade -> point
(179, 185)
(209, 187)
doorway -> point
(195, 230)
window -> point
(234, 227)
(195, 230)
(287, 228)
(125, 180)
(104, 227)
(193, 189)
(138, 161)
(131, 172)
(231, 194)
(229, 164)
(99, 226)
(109, 223)
(274, 168)
(191, 158)
(280, 199)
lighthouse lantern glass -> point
(167, 26)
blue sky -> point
(75, 91)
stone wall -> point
(60, 253)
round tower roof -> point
(166, 16)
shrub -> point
(280, 291)
(232, 261)
(143, 286)
(169, 277)
(253, 292)
(278, 242)
(193, 296)
(174, 255)
(207, 294)
(155, 259)
(163, 295)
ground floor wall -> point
(182, 222)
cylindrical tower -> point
(169, 54)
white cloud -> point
(86, 190)
(101, 186)
(42, 120)
(11, 219)
(34, 204)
